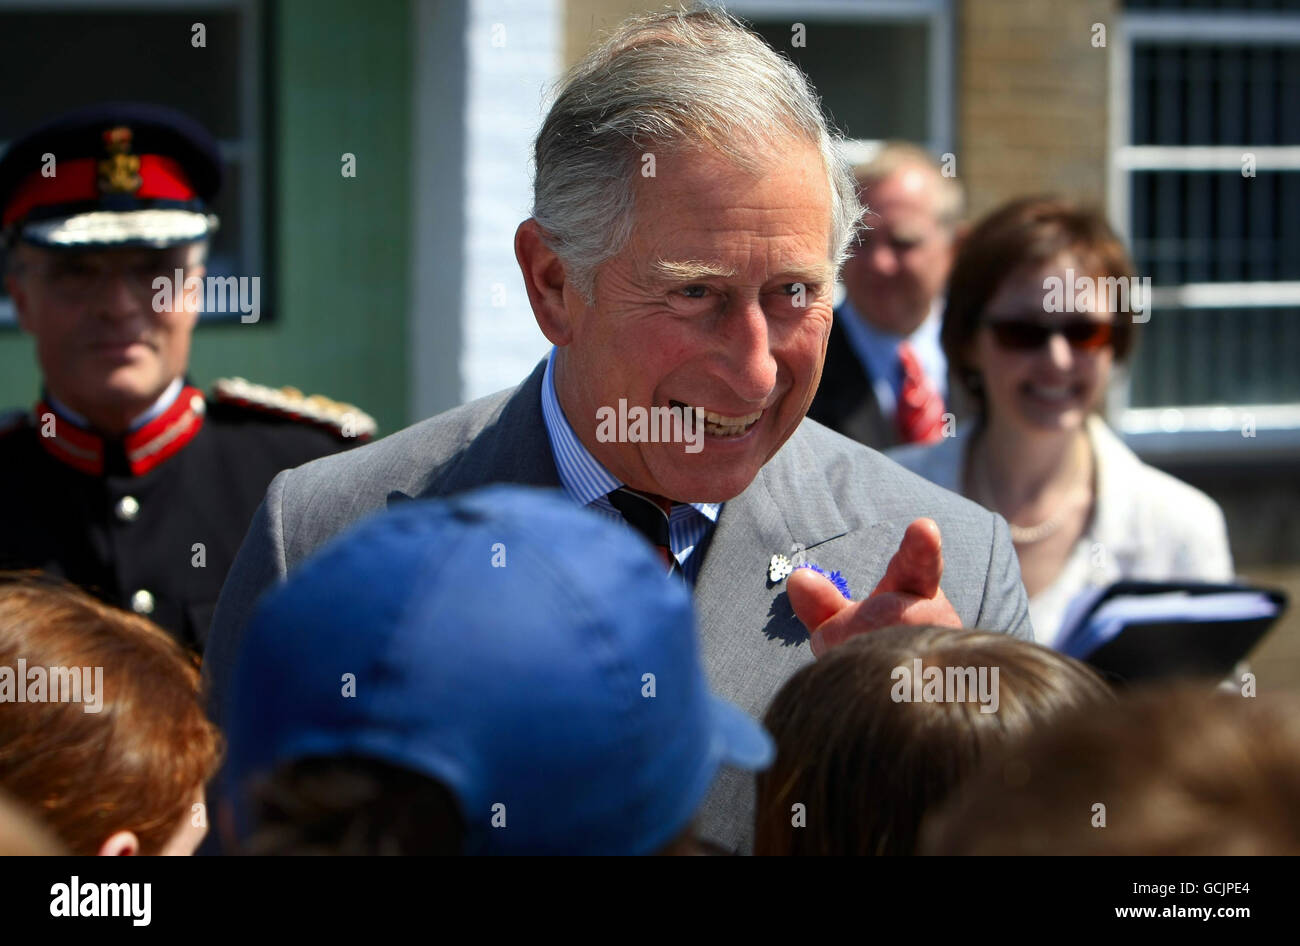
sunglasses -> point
(1028, 335)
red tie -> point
(920, 408)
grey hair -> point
(895, 156)
(695, 79)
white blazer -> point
(1146, 525)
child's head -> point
(1171, 770)
(867, 745)
(497, 672)
(352, 805)
(102, 733)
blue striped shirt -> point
(589, 484)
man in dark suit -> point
(697, 286)
(125, 478)
(885, 380)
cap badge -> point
(119, 172)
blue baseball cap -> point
(521, 650)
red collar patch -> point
(146, 448)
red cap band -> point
(77, 181)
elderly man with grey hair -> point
(691, 211)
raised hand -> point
(909, 593)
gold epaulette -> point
(345, 420)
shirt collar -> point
(871, 342)
(154, 437)
(165, 400)
(583, 477)
(877, 350)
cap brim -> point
(739, 740)
(154, 227)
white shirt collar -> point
(584, 477)
(165, 400)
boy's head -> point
(1172, 770)
(352, 806)
(109, 746)
(877, 732)
(524, 659)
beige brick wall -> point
(1032, 95)
(586, 21)
(1031, 91)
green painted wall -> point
(342, 73)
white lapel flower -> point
(779, 569)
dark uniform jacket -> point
(845, 400)
(152, 522)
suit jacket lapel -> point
(512, 448)
(734, 599)
(1117, 514)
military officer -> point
(125, 478)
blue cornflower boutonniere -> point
(781, 567)
(836, 578)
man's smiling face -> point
(720, 300)
(105, 350)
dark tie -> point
(647, 517)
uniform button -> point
(142, 602)
(127, 508)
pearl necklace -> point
(1027, 535)
(1020, 535)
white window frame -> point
(1180, 431)
(937, 15)
(247, 153)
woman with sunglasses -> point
(1084, 511)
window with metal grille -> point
(1206, 183)
(64, 54)
(883, 69)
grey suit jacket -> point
(845, 503)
